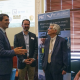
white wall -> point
(39, 8)
(12, 31)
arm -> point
(20, 57)
(77, 76)
(36, 49)
(4, 50)
(65, 56)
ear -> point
(55, 31)
(22, 25)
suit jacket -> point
(33, 48)
(59, 57)
(6, 55)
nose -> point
(48, 29)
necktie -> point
(50, 51)
(6, 35)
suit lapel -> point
(47, 45)
(22, 39)
(29, 40)
(56, 43)
(8, 44)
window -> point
(74, 6)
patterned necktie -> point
(50, 51)
(6, 35)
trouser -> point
(30, 73)
(50, 75)
(5, 77)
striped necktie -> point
(6, 35)
(50, 51)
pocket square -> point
(32, 38)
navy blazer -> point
(33, 48)
(6, 55)
(59, 57)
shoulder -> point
(1, 34)
(32, 34)
(18, 33)
(61, 39)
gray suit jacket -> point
(33, 48)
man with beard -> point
(28, 41)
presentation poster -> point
(18, 10)
(61, 18)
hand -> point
(31, 59)
(43, 40)
(77, 76)
(63, 72)
(20, 51)
(28, 61)
(43, 71)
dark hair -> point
(25, 20)
(2, 15)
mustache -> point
(26, 27)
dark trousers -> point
(5, 77)
(50, 75)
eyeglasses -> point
(50, 28)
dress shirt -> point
(52, 42)
(26, 38)
(2, 30)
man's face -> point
(5, 22)
(51, 30)
(26, 25)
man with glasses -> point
(55, 57)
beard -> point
(26, 29)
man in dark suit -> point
(55, 57)
(28, 41)
(6, 54)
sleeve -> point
(20, 57)
(4, 51)
(65, 55)
(36, 48)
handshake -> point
(20, 51)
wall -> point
(39, 8)
(12, 31)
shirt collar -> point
(53, 38)
(24, 33)
(2, 29)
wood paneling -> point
(74, 6)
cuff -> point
(23, 60)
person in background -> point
(28, 40)
(6, 54)
(77, 76)
(55, 59)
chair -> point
(13, 74)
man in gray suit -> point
(6, 54)
(28, 40)
(55, 57)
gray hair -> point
(56, 27)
